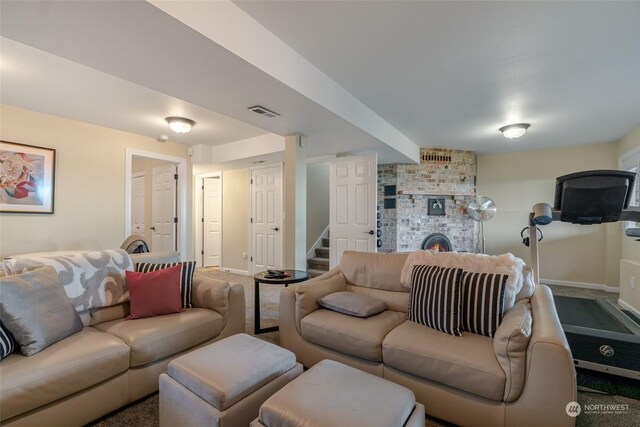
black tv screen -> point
(593, 197)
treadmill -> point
(601, 336)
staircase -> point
(319, 264)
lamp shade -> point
(180, 124)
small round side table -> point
(292, 276)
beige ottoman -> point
(333, 394)
(224, 383)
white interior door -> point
(164, 209)
(212, 221)
(137, 203)
(352, 205)
(266, 218)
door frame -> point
(141, 174)
(181, 208)
(251, 249)
(198, 214)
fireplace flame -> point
(438, 247)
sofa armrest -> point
(307, 293)
(236, 316)
(210, 293)
(550, 381)
(510, 344)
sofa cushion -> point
(510, 345)
(90, 278)
(359, 337)
(482, 302)
(107, 314)
(211, 293)
(155, 257)
(186, 276)
(307, 294)
(79, 361)
(396, 301)
(154, 338)
(516, 288)
(372, 270)
(154, 293)
(436, 298)
(36, 310)
(352, 304)
(465, 363)
(7, 343)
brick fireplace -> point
(415, 201)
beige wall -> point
(89, 187)
(516, 181)
(317, 201)
(235, 219)
(630, 248)
(629, 142)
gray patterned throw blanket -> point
(91, 279)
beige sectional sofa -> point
(112, 362)
(523, 376)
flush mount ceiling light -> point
(180, 124)
(515, 130)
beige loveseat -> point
(112, 362)
(524, 376)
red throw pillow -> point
(154, 293)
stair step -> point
(318, 263)
(325, 242)
(322, 252)
(315, 273)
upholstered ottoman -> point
(333, 394)
(224, 383)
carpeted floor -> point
(144, 413)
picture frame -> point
(436, 206)
(27, 178)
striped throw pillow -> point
(482, 302)
(186, 276)
(7, 344)
(435, 298)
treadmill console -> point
(593, 197)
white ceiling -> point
(443, 74)
(452, 73)
(39, 81)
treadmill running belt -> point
(586, 313)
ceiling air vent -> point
(263, 111)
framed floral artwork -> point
(27, 177)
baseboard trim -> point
(622, 303)
(234, 271)
(597, 286)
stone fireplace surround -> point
(443, 173)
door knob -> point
(275, 229)
(153, 228)
(370, 232)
